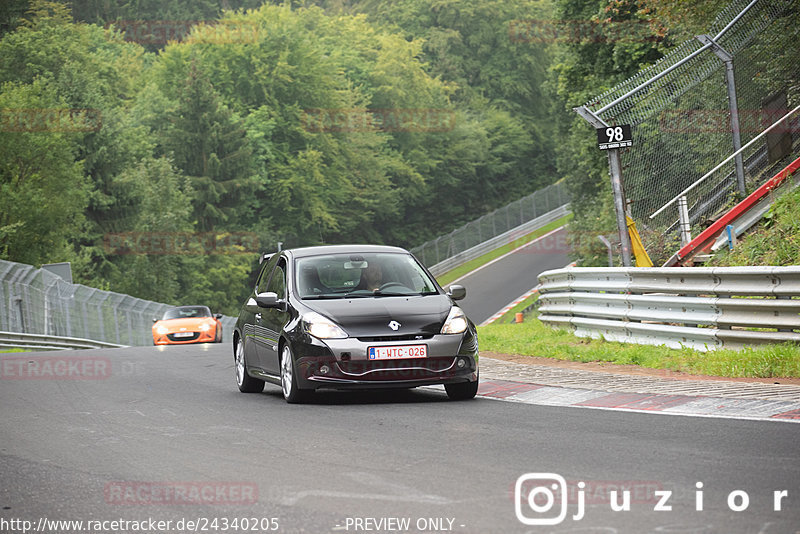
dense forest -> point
(158, 145)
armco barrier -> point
(506, 237)
(40, 342)
(491, 230)
(703, 307)
(36, 301)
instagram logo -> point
(540, 491)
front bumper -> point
(197, 337)
(343, 363)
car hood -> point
(190, 323)
(370, 316)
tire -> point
(218, 335)
(246, 383)
(291, 392)
(462, 390)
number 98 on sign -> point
(614, 137)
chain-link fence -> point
(492, 225)
(682, 122)
(36, 301)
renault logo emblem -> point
(394, 325)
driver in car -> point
(371, 277)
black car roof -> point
(340, 249)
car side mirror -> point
(155, 320)
(270, 299)
(457, 292)
(217, 316)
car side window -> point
(277, 283)
(263, 279)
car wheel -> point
(291, 392)
(462, 390)
(246, 383)
(218, 336)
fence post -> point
(727, 59)
(683, 215)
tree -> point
(42, 188)
(209, 144)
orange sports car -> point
(187, 324)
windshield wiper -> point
(379, 293)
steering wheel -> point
(387, 285)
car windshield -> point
(186, 312)
(361, 275)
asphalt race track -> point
(162, 433)
(519, 272)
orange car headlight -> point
(161, 330)
(205, 327)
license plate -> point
(183, 334)
(397, 352)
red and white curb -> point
(685, 405)
(508, 307)
(516, 301)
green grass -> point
(14, 350)
(533, 338)
(458, 272)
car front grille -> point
(404, 337)
(194, 336)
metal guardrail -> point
(506, 237)
(21, 340)
(704, 308)
(36, 301)
(500, 224)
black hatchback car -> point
(353, 316)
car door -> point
(272, 321)
(254, 334)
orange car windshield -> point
(186, 312)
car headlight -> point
(456, 322)
(161, 330)
(321, 327)
(205, 327)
